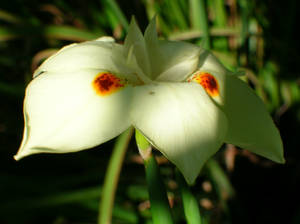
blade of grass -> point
(9, 17)
(268, 76)
(118, 12)
(183, 4)
(7, 34)
(51, 31)
(218, 7)
(150, 8)
(163, 25)
(112, 20)
(112, 177)
(220, 13)
(69, 33)
(245, 20)
(223, 186)
(199, 19)
(195, 10)
(177, 14)
(137, 192)
(53, 200)
(125, 214)
(192, 34)
(190, 203)
(84, 197)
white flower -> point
(178, 95)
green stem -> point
(190, 204)
(160, 209)
(143, 145)
(112, 177)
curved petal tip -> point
(21, 154)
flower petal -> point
(249, 124)
(68, 111)
(135, 44)
(181, 121)
(98, 54)
(170, 60)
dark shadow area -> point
(65, 188)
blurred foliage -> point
(236, 187)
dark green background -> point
(65, 188)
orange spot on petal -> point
(208, 82)
(106, 83)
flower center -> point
(106, 83)
(208, 82)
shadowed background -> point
(235, 187)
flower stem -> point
(112, 177)
(160, 209)
(190, 204)
(143, 145)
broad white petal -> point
(64, 113)
(100, 54)
(170, 60)
(249, 124)
(181, 121)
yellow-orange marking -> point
(208, 82)
(106, 83)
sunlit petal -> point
(99, 54)
(67, 112)
(181, 121)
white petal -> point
(135, 47)
(208, 62)
(106, 39)
(249, 124)
(181, 121)
(64, 113)
(170, 60)
(99, 54)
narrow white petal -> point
(135, 44)
(181, 121)
(170, 60)
(64, 113)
